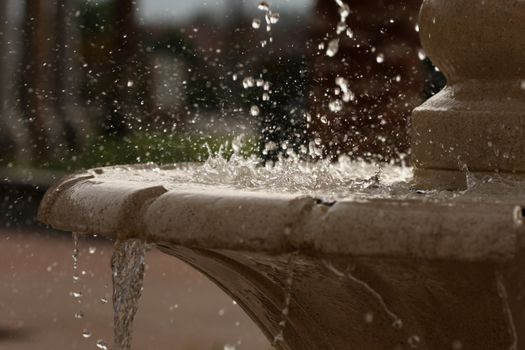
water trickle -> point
(397, 323)
(127, 264)
(75, 255)
(279, 337)
(502, 292)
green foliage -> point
(148, 147)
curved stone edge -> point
(277, 223)
(81, 203)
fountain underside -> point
(427, 271)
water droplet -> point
(104, 300)
(130, 83)
(79, 315)
(274, 17)
(380, 58)
(416, 28)
(248, 82)
(221, 312)
(336, 106)
(264, 6)
(333, 48)
(522, 85)
(369, 317)
(92, 250)
(324, 120)
(86, 333)
(265, 96)
(76, 294)
(421, 54)
(229, 347)
(101, 344)
(414, 341)
(256, 23)
(254, 111)
(234, 77)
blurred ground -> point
(179, 310)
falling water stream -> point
(127, 264)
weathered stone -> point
(477, 123)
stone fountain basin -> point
(448, 269)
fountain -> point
(354, 262)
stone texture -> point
(477, 123)
(119, 202)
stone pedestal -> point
(477, 123)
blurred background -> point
(87, 83)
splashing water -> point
(322, 178)
(127, 264)
(342, 26)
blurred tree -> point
(125, 57)
(34, 39)
(3, 38)
(6, 141)
(65, 89)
